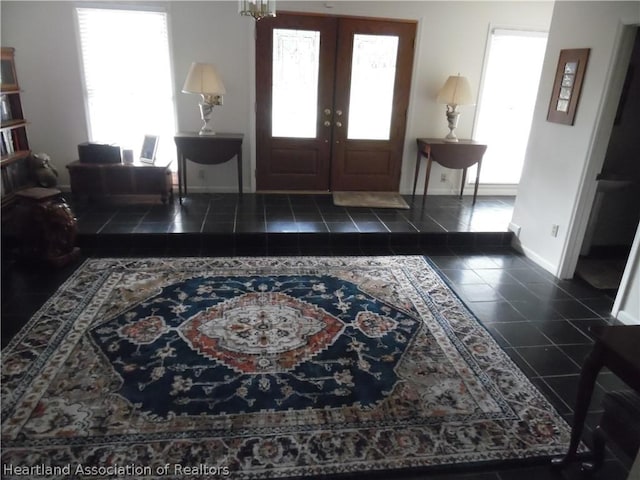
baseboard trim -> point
(541, 261)
(626, 318)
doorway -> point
(332, 95)
(615, 212)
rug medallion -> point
(264, 368)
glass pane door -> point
(296, 59)
(373, 73)
(373, 80)
(331, 100)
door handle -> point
(338, 112)
(327, 123)
(338, 124)
(327, 111)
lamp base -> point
(452, 120)
(205, 113)
(206, 130)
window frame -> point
(155, 8)
(502, 188)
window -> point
(127, 77)
(507, 100)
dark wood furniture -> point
(207, 150)
(620, 423)
(616, 348)
(16, 174)
(100, 179)
(37, 218)
(46, 226)
(457, 155)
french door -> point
(332, 96)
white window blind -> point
(127, 77)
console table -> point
(457, 155)
(207, 150)
(138, 178)
(616, 348)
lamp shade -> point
(204, 79)
(456, 91)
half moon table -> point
(458, 155)
(207, 150)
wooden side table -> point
(457, 155)
(207, 150)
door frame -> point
(406, 142)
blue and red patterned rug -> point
(262, 368)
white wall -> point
(630, 305)
(451, 38)
(626, 308)
(558, 156)
(49, 72)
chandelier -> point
(257, 8)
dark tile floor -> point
(264, 213)
(540, 321)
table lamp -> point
(204, 79)
(456, 91)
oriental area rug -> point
(255, 368)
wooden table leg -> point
(239, 156)
(464, 179)
(416, 174)
(426, 179)
(184, 175)
(590, 369)
(475, 188)
(179, 176)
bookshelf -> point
(14, 144)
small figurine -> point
(45, 174)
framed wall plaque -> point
(567, 85)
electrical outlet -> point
(554, 230)
(443, 177)
(201, 174)
(515, 228)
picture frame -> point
(567, 86)
(149, 148)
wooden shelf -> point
(14, 157)
(15, 169)
(9, 124)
